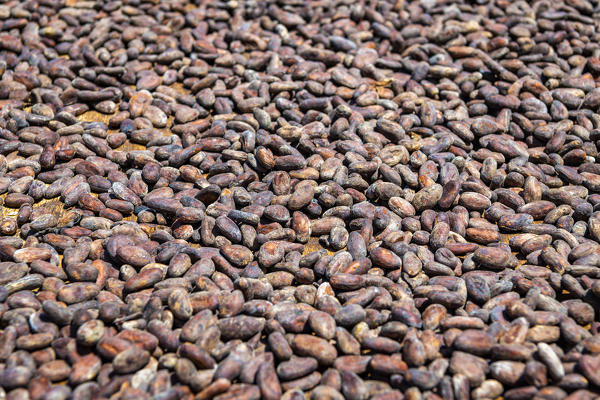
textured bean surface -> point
(289, 199)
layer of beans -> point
(291, 199)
